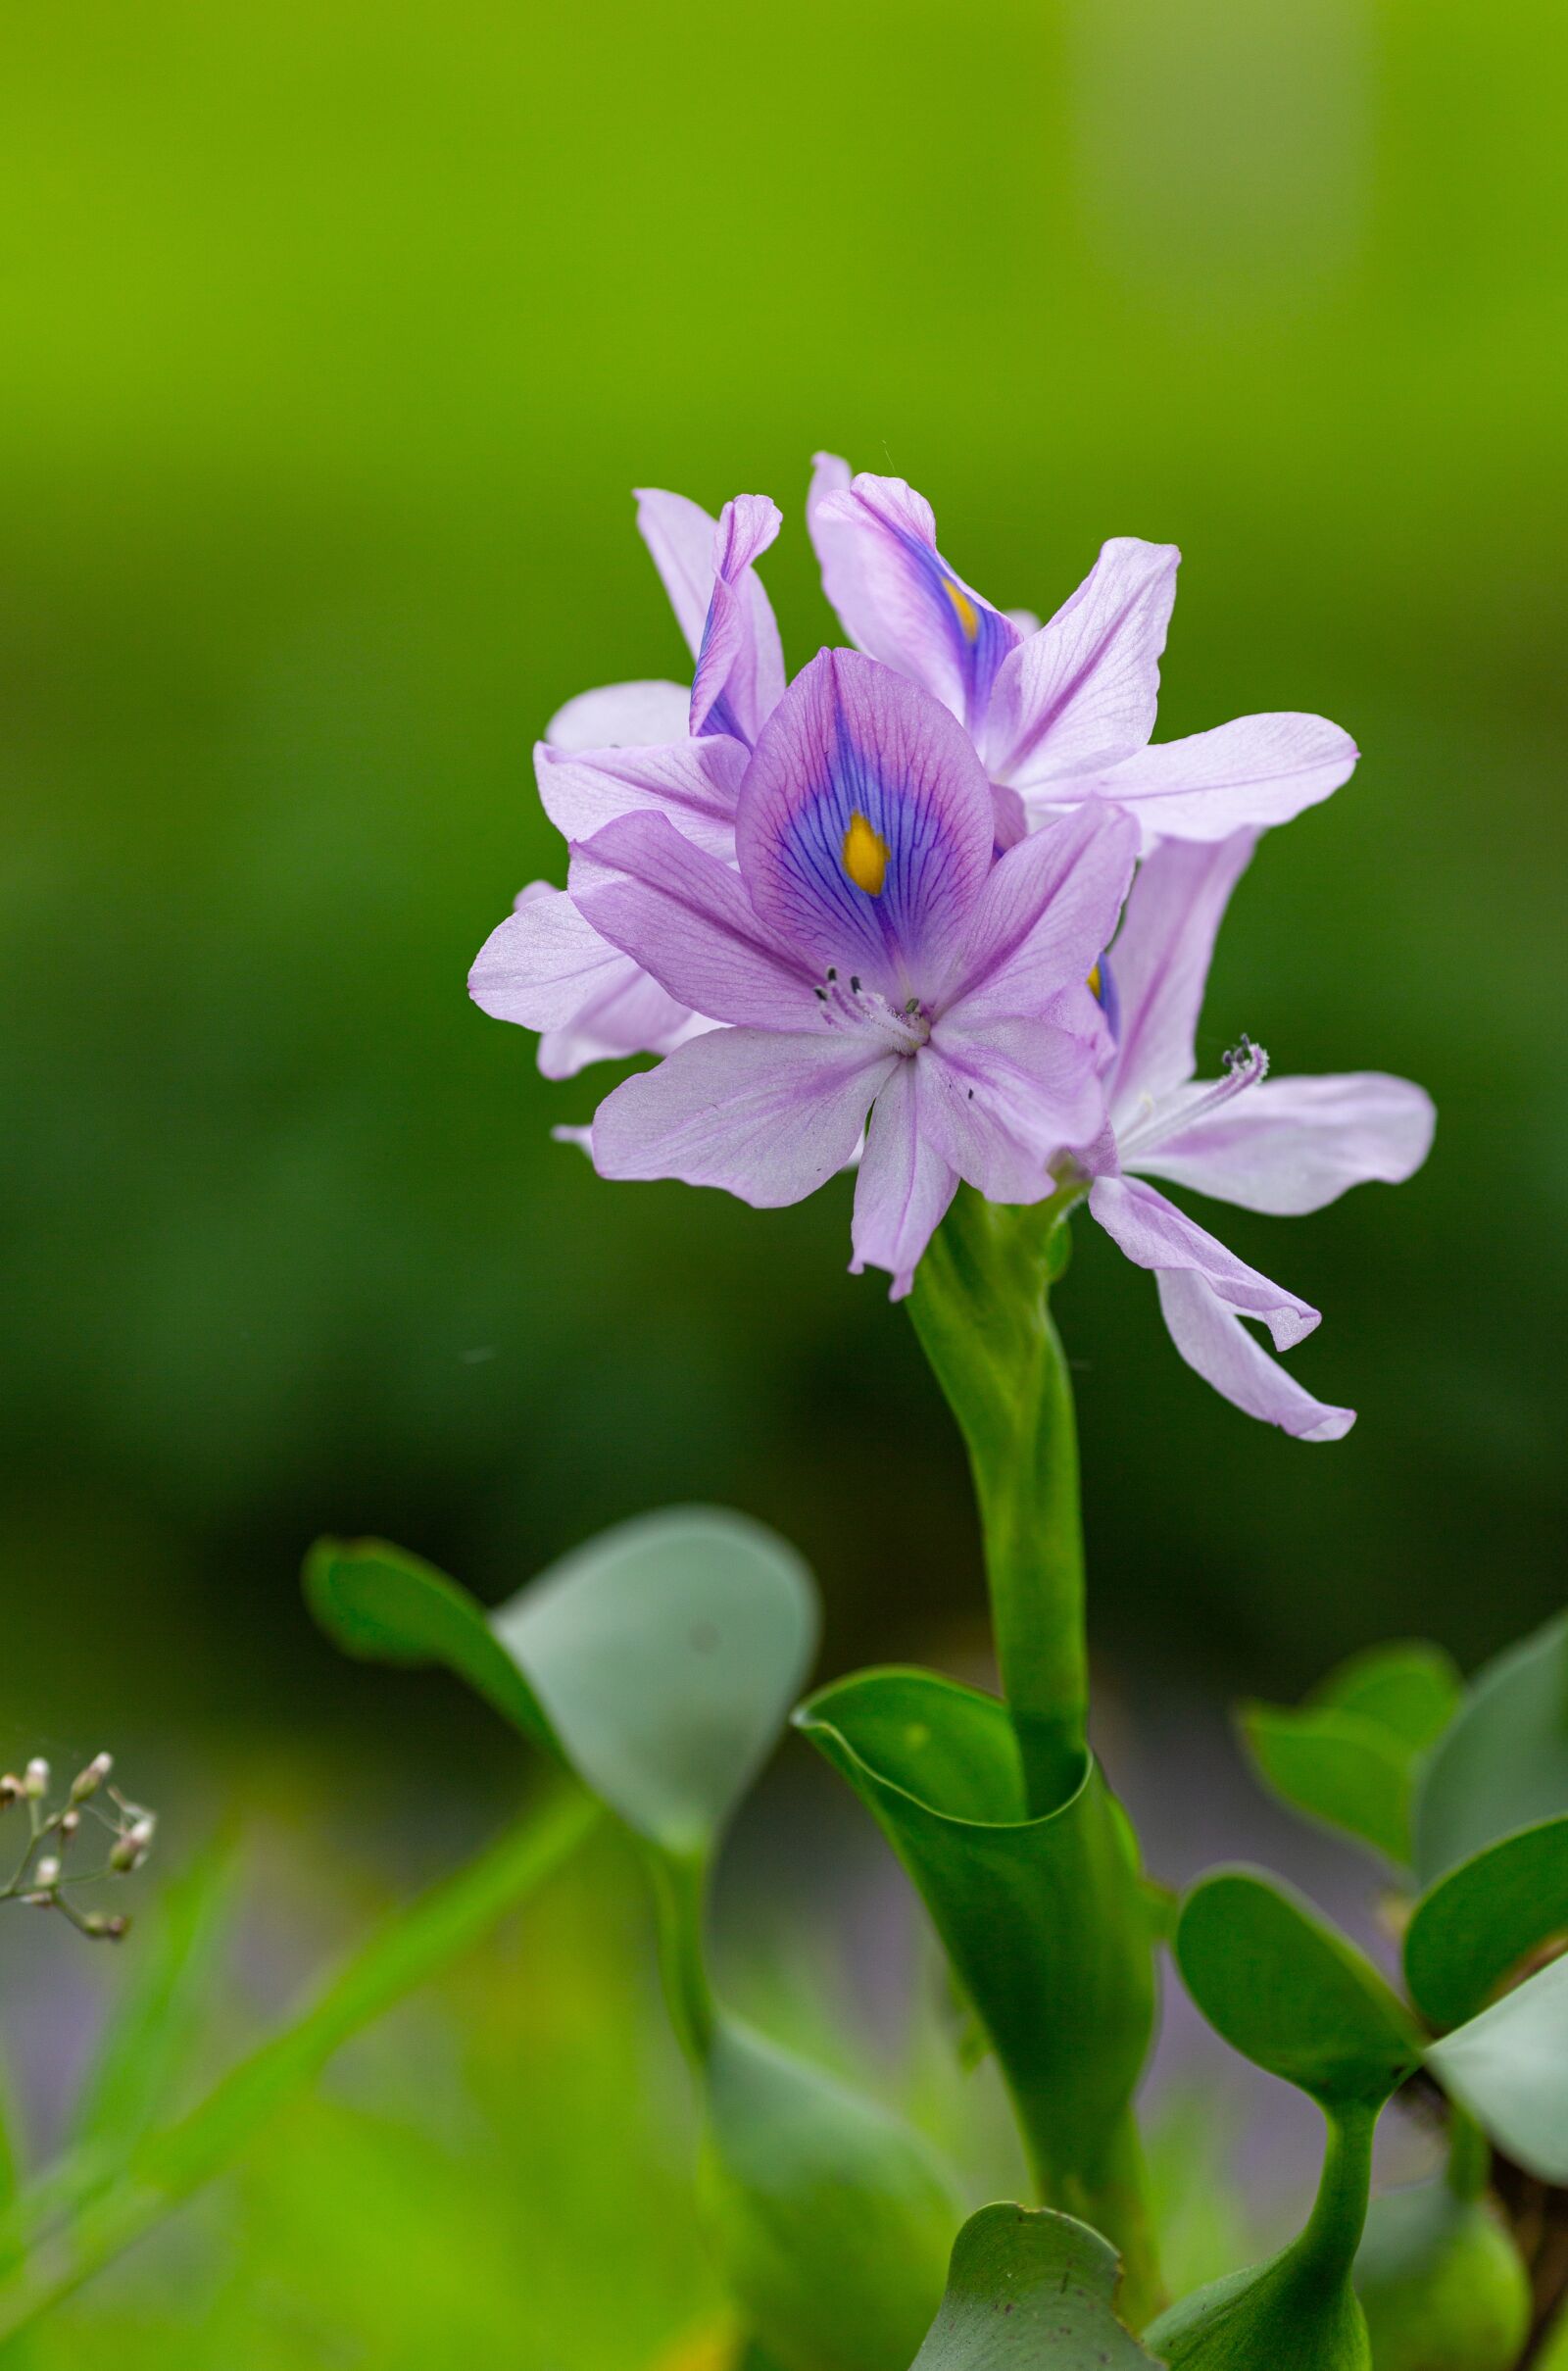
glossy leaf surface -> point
(1030, 2291)
(1503, 1764)
(1477, 1924)
(1349, 1757)
(1509, 2068)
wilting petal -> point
(740, 661)
(999, 1103)
(1160, 961)
(1155, 1234)
(1215, 1342)
(686, 917)
(1257, 770)
(1290, 1145)
(865, 826)
(898, 598)
(1082, 691)
(904, 1187)
(768, 1116)
(1044, 915)
(695, 783)
(548, 968)
(620, 716)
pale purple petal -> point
(740, 661)
(548, 968)
(1044, 915)
(1082, 692)
(1160, 961)
(999, 1103)
(898, 598)
(768, 1116)
(853, 758)
(686, 917)
(1254, 772)
(1292, 1145)
(695, 783)
(904, 1187)
(1155, 1234)
(1215, 1342)
(620, 716)
(679, 534)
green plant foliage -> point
(1441, 2284)
(1480, 1921)
(1349, 1757)
(658, 1660)
(1285, 2315)
(831, 2219)
(1504, 1762)
(1030, 2291)
(1509, 2068)
(1290, 1993)
(1044, 1918)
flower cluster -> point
(940, 906)
(125, 1831)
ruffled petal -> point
(1155, 1234)
(1292, 1145)
(1000, 1102)
(865, 826)
(1242, 775)
(1160, 961)
(695, 783)
(740, 661)
(1046, 912)
(620, 716)
(687, 547)
(904, 1187)
(768, 1117)
(898, 598)
(686, 917)
(1216, 1343)
(549, 969)
(1082, 691)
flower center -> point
(901, 1028)
(865, 855)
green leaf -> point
(1503, 1764)
(1349, 1757)
(412, 1946)
(1509, 2068)
(1441, 2284)
(386, 1605)
(1290, 1993)
(667, 1654)
(1043, 1920)
(1477, 1924)
(831, 2219)
(658, 1662)
(1030, 2291)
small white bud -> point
(133, 1847)
(89, 1781)
(12, 1790)
(40, 1902)
(99, 1923)
(36, 1781)
(69, 1822)
(47, 1871)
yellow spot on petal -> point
(865, 855)
(1093, 983)
(969, 614)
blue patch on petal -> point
(979, 637)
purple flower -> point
(872, 967)
(1285, 1146)
(633, 747)
(1061, 712)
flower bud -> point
(36, 1779)
(69, 1822)
(133, 1847)
(47, 1872)
(12, 1790)
(103, 1927)
(89, 1781)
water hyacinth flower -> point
(873, 966)
(1279, 1145)
(1065, 710)
(629, 747)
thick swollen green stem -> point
(1326, 2248)
(1111, 2195)
(980, 1306)
(680, 1895)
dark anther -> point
(855, 983)
(971, 1094)
(832, 972)
(822, 992)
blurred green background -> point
(335, 337)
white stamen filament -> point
(1246, 1065)
(905, 1031)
